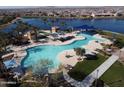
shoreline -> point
(109, 17)
(113, 32)
(78, 18)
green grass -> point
(114, 77)
(82, 69)
(119, 37)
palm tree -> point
(34, 29)
(63, 23)
(20, 30)
(17, 33)
(79, 51)
(83, 52)
(45, 19)
(36, 33)
(53, 21)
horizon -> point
(21, 7)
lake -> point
(114, 25)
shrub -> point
(41, 68)
(79, 51)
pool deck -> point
(72, 60)
(20, 52)
(91, 47)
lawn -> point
(119, 37)
(84, 68)
(114, 77)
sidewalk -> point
(98, 72)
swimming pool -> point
(50, 52)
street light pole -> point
(97, 77)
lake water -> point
(115, 25)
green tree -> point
(79, 51)
(4, 41)
(45, 19)
(29, 80)
(18, 33)
(21, 28)
(7, 19)
(41, 68)
(35, 75)
(63, 23)
(35, 29)
(3, 70)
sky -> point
(13, 7)
(26, 3)
(8, 7)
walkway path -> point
(97, 73)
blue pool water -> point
(50, 52)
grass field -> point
(82, 69)
(114, 77)
(119, 37)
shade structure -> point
(9, 63)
